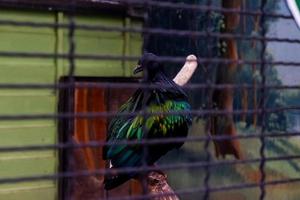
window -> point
(85, 130)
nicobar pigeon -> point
(166, 97)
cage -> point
(66, 67)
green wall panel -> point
(133, 45)
(30, 104)
(23, 15)
(27, 104)
(29, 40)
(97, 43)
(14, 102)
(27, 166)
(32, 134)
(37, 70)
(26, 73)
(30, 193)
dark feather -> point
(163, 99)
(112, 182)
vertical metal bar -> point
(145, 116)
(146, 25)
(71, 89)
(145, 149)
(263, 102)
(208, 81)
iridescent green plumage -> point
(156, 126)
(157, 103)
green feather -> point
(160, 125)
(139, 134)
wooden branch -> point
(187, 71)
(157, 184)
(232, 20)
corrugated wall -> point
(33, 70)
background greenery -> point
(276, 122)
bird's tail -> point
(111, 182)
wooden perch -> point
(186, 72)
(157, 184)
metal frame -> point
(70, 84)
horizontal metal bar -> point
(142, 169)
(203, 112)
(128, 85)
(99, 144)
(156, 31)
(132, 114)
(168, 59)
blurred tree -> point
(226, 73)
(167, 45)
(194, 20)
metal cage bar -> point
(72, 56)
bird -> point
(166, 96)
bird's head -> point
(148, 64)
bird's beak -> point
(137, 69)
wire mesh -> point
(210, 61)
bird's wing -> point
(132, 105)
(139, 127)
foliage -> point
(248, 74)
(181, 19)
(225, 175)
(292, 98)
(166, 45)
(274, 98)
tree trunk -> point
(256, 27)
(223, 98)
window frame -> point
(64, 125)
